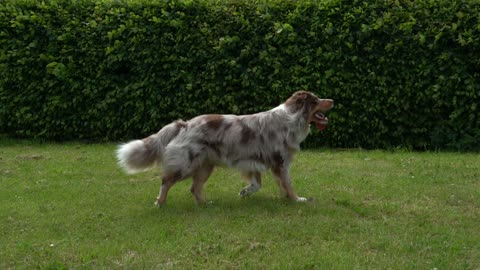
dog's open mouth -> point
(320, 120)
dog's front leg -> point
(283, 178)
(255, 183)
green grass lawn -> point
(70, 206)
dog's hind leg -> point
(167, 182)
(200, 176)
(255, 180)
(283, 191)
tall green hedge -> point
(402, 73)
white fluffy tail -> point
(141, 155)
(136, 156)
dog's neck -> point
(295, 122)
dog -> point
(251, 144)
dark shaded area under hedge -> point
(402, 73)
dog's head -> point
(311, 107)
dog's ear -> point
(298, 100)
(307, 101)
(302, 96)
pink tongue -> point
(321, 127)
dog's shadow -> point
(232, 206)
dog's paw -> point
(157, 203)
(302, 199)
(243, 193)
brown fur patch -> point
(227, 126)
(247, 134)
(191, 155)
(277, 159)
(180, 124)
(285, 144)
(214, 121)
(276, 170)
(177, 176)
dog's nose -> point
(327, 103)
